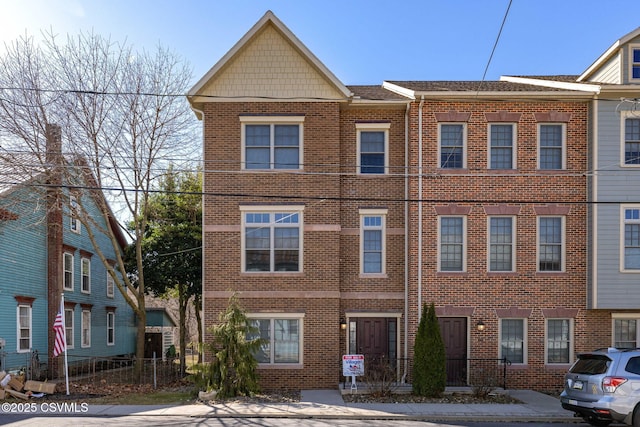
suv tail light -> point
(610, 384)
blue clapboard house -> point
(46, 252)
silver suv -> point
(604, 386)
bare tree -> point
(124, 118)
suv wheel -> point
(636, 417)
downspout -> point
(201, 112)
(406, 242)
(419, 263)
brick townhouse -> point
(336, 212)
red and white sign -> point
(352, 365)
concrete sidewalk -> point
(328, 404)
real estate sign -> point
(352, 365)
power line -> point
(336, 198)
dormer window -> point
(635, 62)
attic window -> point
(635, 62)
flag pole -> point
(64, 336)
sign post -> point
(352, 366)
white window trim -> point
(464, 244)
(621, 238)
(84, 260)
(383, 227)
(514, 243)
(69, 313)
(271, 120)
(299, 209)
(546, 341)
(373, 127)
(525, 339)
(624, 316)
(563, 243)
(113, 317)
(464, 144)
(30, 309)
(110, 286)
(273, 316)
(64, 255)
(624, 115)
(84, 344)
(633, 47)
(514, 147)
(74, 223)
(563, 148)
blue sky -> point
(361, 42)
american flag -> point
(59, 345)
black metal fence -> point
(122, 370)
(464, 372)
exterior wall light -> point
(480, 326)
(343, 324)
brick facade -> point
(413, 193)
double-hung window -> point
(551, 143)
(25, 331)
(502, 243)
(631, 238)
(550, 243)
(372, 241)
(513, 338)
(68, 327)
(85, 328)
(273, 142)
(559, 342)
(110, 285)
(502, 146)
(281, 338)
(74, 223)
(85, 271)
(111, 328)
(635, 62)
(67, 261)
(272, 239)
(453, 138)
(452, 243)
(373, 147)
(625, 330)
(632, 141)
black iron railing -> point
(463, 372)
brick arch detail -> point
(452, 209)
(452, 116)
(513, 312)
(559, 312)
(453, 311)
(552, 210)
(552, 116)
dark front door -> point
(454, 335)
(153, 344)
(371, 337)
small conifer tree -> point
(233, 371)
(429, 364)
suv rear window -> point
(590, 364)
(633, 365)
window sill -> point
(280, 366)
(272, 273)
(374, 276)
